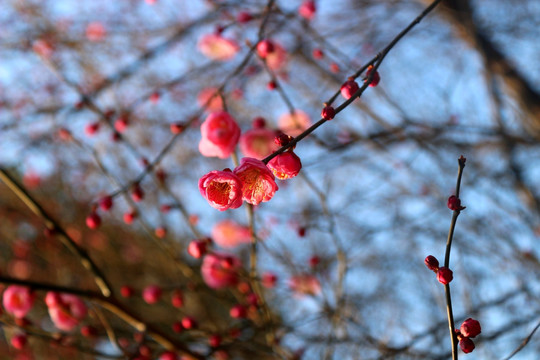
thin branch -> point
(376, 62)
(449, 312)
(524, 343)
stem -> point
(449, 312)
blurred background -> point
(101, 98)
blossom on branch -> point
(220, 270)
(220, 134)
(217, 47)
(65, 310)
(258, 183)
(222, 189)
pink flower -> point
(258, 143)
(18, 300)
(294, 124)
(277, 59)
(222, 189)
(220, 270)
(305, 284)
(258, 184)
(65, 310)
(209, 99)
(286, 165)
(229, 234)
(470, 328)
(216, 47)
(95, 31)
(220, 134)
(307, 9)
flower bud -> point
(466, 345)
(349, 88)
(470, 328)
(432, 263)
(444, 275)
(328, 113)
(286, 165)
(454, 203)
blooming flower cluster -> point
(252, 180)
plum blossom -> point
(220, 270)
(209, 99)
(217, 47)
(230, 234)
(258, 183)
(258, 143)
(65, 310)
(294, 124)
(305, 284)
(220, 134)
(18, 300)
(222, 189)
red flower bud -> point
(349, 88)
(466, 345)
(238, 312)
(197, 248)
(286, 165)
(376, 77)
(265, 47)
(106, 203)
(470, 328)
(93, 221)
(444, 275)
(454, 203)
(189, 323)
(214, 340)
(432, 263)
(328, 113)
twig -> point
(524, 343)
(449, 312)
(376, 62)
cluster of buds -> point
(470, 328)
(444, 274)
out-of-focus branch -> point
(53, 225)
(460, 14)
